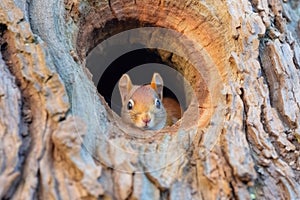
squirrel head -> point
(142, 105)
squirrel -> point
(144, 106)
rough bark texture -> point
(60, 140)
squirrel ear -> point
(157, 84)
(125, 86)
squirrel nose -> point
(146, 120)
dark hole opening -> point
(124, 64)
(114, 27)
(109, 58)
(143, 61)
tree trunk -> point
(238, 139)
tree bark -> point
(60, 139)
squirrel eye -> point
(130, 104)
(157, 103)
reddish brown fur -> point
(143, 98)
(144, 113)
(173, 110)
